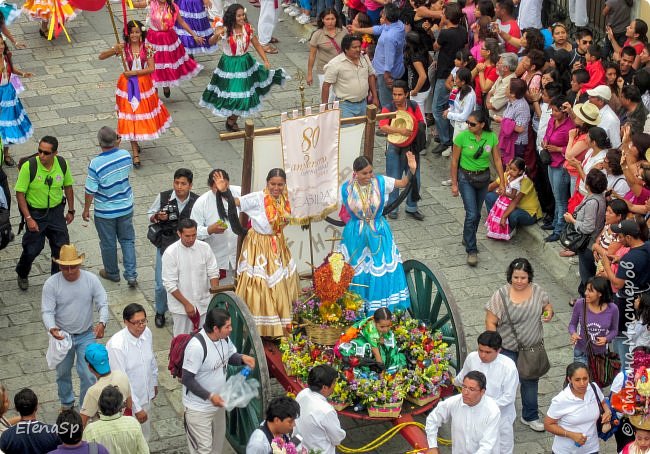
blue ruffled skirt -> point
(15, 126)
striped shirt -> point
(108, 183)
(519, 111)
(119, 434)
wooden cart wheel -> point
(432, 302)
(241, 422)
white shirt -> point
(576, 415)
(258, 443)
(189, 269)
(318, 422)
(544, 119)
(224, 245)
(134, 356)
(155, 206)
(588, 163)
(209, 373)
(618, 184)
(502, 381)
(474, 430)
(610, 122)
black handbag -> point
(573, 240)
(545, 156)
(154, 234)
(532, 362)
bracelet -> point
(71, 211)
(28, 218)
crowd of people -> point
(541, 125)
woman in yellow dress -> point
(52, 14)
(267, 279)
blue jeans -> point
(516, 218)
(352, 109)
(528, 390)
(160, 294)
(472, 201)
(396, 167)
(384, 91)
(438, 106)
(580, 357)
(586, 268)
(559, 179)
(620, 346)
(64, 369)
(111, 231)
(374, 16)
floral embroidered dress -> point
(493, 222)
(141, 115)
(15, 126)
(173, 65)
(267, 275)
(368, 245)
(239, 83)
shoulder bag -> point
(606, 431)
(532, 362)
(602, 367)
(573, 240)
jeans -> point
(528, 390)
(586, 268)
(620, 346)
(472, 201)
(352, 109)
(580, 357)
(64, 369)
(160, 294)
(374, 16)
(516, 218)
(572, 184)
(396, 167)
(384, 91)
(110, 231)
(439, 105)
(51, 225)
(559, 179)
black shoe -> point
(548, 226)
(436, 139)
(23, 283)
(167, 92)
(548, 219)
(392, 215)
(552, 238)
(160, 320)
(440, 148)
(416, 215)
(133, 283)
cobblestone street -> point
(72, 95)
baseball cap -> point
(97, 356)
(601, 91)
(627, 227)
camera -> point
(171, 210)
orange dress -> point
(141, 115)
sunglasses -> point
(471, 123)
(46, 153)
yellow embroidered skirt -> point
(267, 281)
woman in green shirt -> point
(470, 174)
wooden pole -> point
(369, 133)
(246, 174)
(117, 36)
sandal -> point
(232, 126)
(136, 156)
(274, 40)
(270, 49)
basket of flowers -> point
(383, 397)
(342, 396)
(422, 385)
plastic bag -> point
(238, 391)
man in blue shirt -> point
(388, 61)
(108, 185)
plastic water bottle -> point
(238, 391)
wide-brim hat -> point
(588, 113)
(69, 256)
(640, 422)
(403, 119)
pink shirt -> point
(558, 136)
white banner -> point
(267, 154)
(310, 150)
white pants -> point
(506, 435)
(205, 432)
(183, 324)
(321, 79)
(146, 426)
(420, 99)
(267, 21)
(578, 12)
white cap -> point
(601, 91)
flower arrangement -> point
(280, 446)
(332, 279)
(634, 398)
(341, 313)
(421, 346)
(342, 396)
(299, 354)
(387, 389)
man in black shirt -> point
(451, 39)
(29, 436)
(628, 55)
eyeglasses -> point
(471, 123)
(473, 390)
(142, 322)
(46, 153)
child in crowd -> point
(641, 443)
(462, 102)
(575, 95)
(594, 67)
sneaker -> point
(303, 19)
(472, 259)
(23, 283)
(295, 12)
(440, 148)
(133, 283)
(536, 425)
(446, 153)
(416, 215)
(104, 275)
(446, 182)
(160, 320)
(553, 237)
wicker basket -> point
(422, 401)
(338, 406)
(392, 410)
(324, 335)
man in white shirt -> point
(214, 227)
(474, 419)
(502, 382)
(319, 424)
(130, 350)
(609, 121)
(204, 375)
(190, 272)
(281, 416)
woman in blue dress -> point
(367, 242)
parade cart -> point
(431, 302)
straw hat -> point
(403, 119)
(69, 256)
(640, 422)
(588, 113)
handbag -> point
(544, 156)
(532, 362)
(573, 240)
(154, 234)
(614, 423)
(603, 367)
